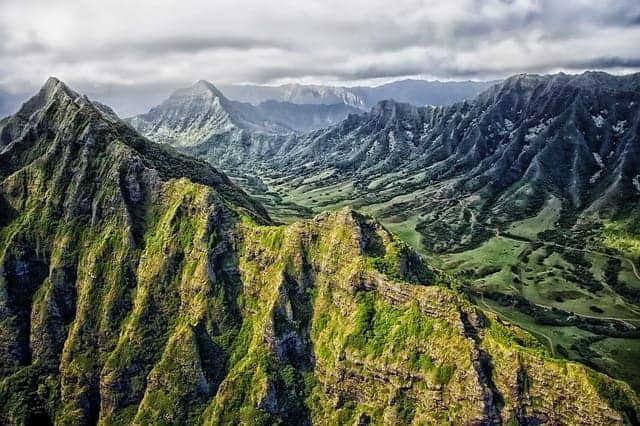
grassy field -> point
(406, 230)
(620, 358)
(550, 336)
(512, 267)
(530, 228)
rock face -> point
(139, 286)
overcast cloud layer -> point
(156, 45)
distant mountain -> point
(10, 102)
(140, 286)
(306, 117)
(131, 100)
(418, 92)
(202, 112)
(295, 93)
(202, 116)
(423, 92)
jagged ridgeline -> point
(139, 286)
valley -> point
(358, 213)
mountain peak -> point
(204, 87)
(56, 87)
(53, 89)
(52, 82)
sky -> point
(136, 52)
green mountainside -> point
(139, 286)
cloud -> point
(163, 43)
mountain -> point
(424, 92)
(296, 94)
(573, 137)
(132, 99)
(140, 286)
(306, 117)
(418, 92)
(202, 113)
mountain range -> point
(418, 92)
(142, 286)
(527, 193)
(133, 99)
(571, 136)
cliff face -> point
(138, 286)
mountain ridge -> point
(141, 286)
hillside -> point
(140, 286)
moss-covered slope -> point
(138, 286)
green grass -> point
(489, 265)
(544, 220)
(513, 316)
(627, 276)
(620, 358)
(319, 176)
(406, 231)
(623, 235)
(378, 182)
